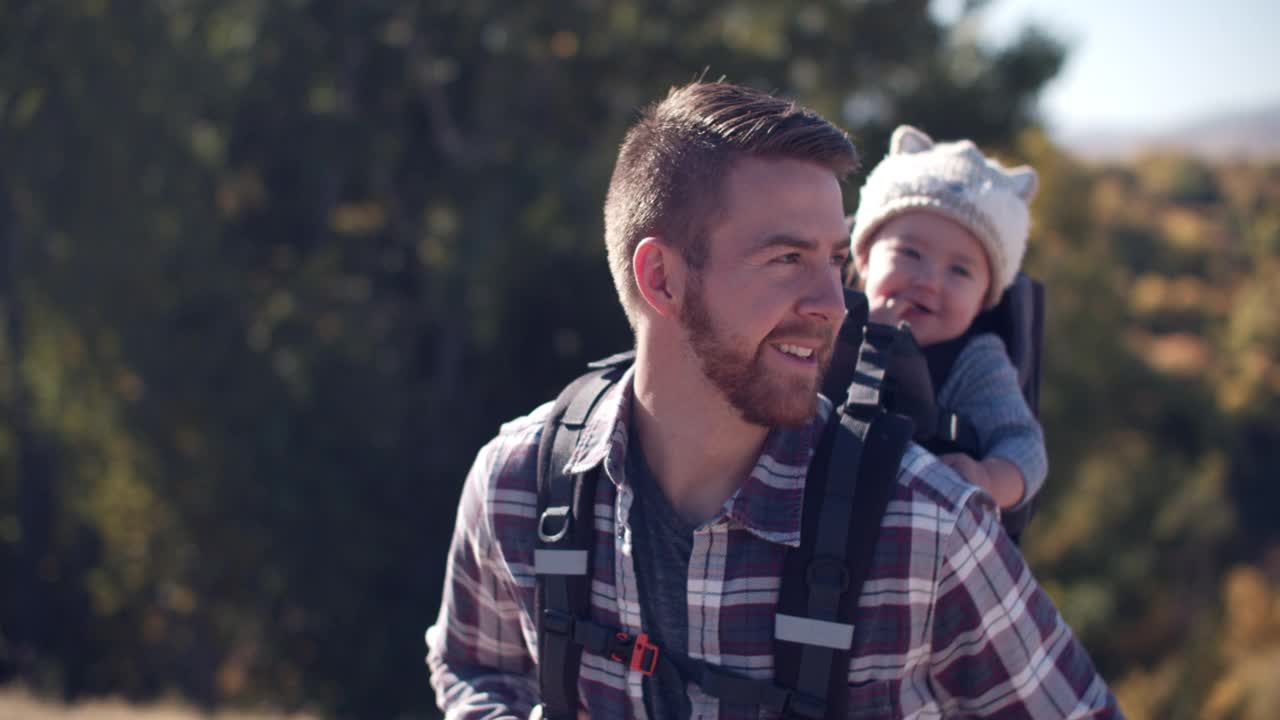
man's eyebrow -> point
(783, 240)
(799, 243)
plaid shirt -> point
(949, 624)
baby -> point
(939, 235)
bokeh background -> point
(272, 270)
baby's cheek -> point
(873, 285)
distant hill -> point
(1253, 134)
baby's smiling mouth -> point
(907, 305)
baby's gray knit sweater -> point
(983, 386)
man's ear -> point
(661, 275)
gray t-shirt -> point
(662, 542)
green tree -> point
(276, 269)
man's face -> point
(930, 271)
(762, 313)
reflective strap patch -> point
(560, 562)
(813, 632)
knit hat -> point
(955, 180)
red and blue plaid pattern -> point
(949, 624)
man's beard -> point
(763, 397)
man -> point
(726, 239)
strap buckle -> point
(554, 524)
(644, 655)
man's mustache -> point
(819, 332)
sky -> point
(1148, 65)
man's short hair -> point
(673, 162)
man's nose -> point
(825, 300)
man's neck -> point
(697, 445)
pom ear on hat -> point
(1025, 181)
(907, 139)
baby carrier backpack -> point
(847, 488)
(1018, 320)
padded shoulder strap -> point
(847, 490)
(844, 357)
(562, 554)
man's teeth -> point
(796, 350)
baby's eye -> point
(961, 270)
(909, 252)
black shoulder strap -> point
(846, 493)
(844, 356)
(562, 555)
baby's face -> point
(928, 270)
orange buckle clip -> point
(644, 655)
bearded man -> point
(725, 232)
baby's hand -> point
(1000, 478)
(887, 314)
(969, 469)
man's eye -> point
(789, 259)
(840, 259)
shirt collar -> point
(770, 500)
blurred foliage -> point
(1161, 406)
(271, 272)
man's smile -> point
(796, 350)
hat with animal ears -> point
(955, 180)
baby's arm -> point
(983, 387)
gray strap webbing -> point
(560, 562)
(813, 632)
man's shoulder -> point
(512, 455)
(929, 491)
(526, 428)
